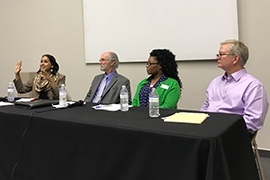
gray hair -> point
(238, 48)
(113, 57)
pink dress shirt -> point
(239, 93)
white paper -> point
(6, 103)
(25, 99)
(110, 107)
(58, 106)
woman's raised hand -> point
(18, 67)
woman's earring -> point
(51, 70)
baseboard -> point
(264, 153)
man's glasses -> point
(102, 60)
(149, 64)
(220, 55)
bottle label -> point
(123, 96)
(10, 90)
(153, 99)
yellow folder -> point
(194, 118)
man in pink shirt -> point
(236, 91)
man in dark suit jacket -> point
(111, 93)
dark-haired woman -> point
(46, 84)
(162, 67)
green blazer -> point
(169, 93)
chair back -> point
(256, 155)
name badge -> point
(164, 86)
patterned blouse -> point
(145, 90)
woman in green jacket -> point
(162, 67)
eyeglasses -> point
(220, 55)
(103, 60)
(149, 64)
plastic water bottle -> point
(10, 92)
(153, 103)
(63, 96)
(124, 98)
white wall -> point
(254, 31)
(34, 27)
(139, 23)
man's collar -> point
(110, 75)
(236, 75)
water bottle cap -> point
(123, 86)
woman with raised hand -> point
(46, 83)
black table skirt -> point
(81, 143)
